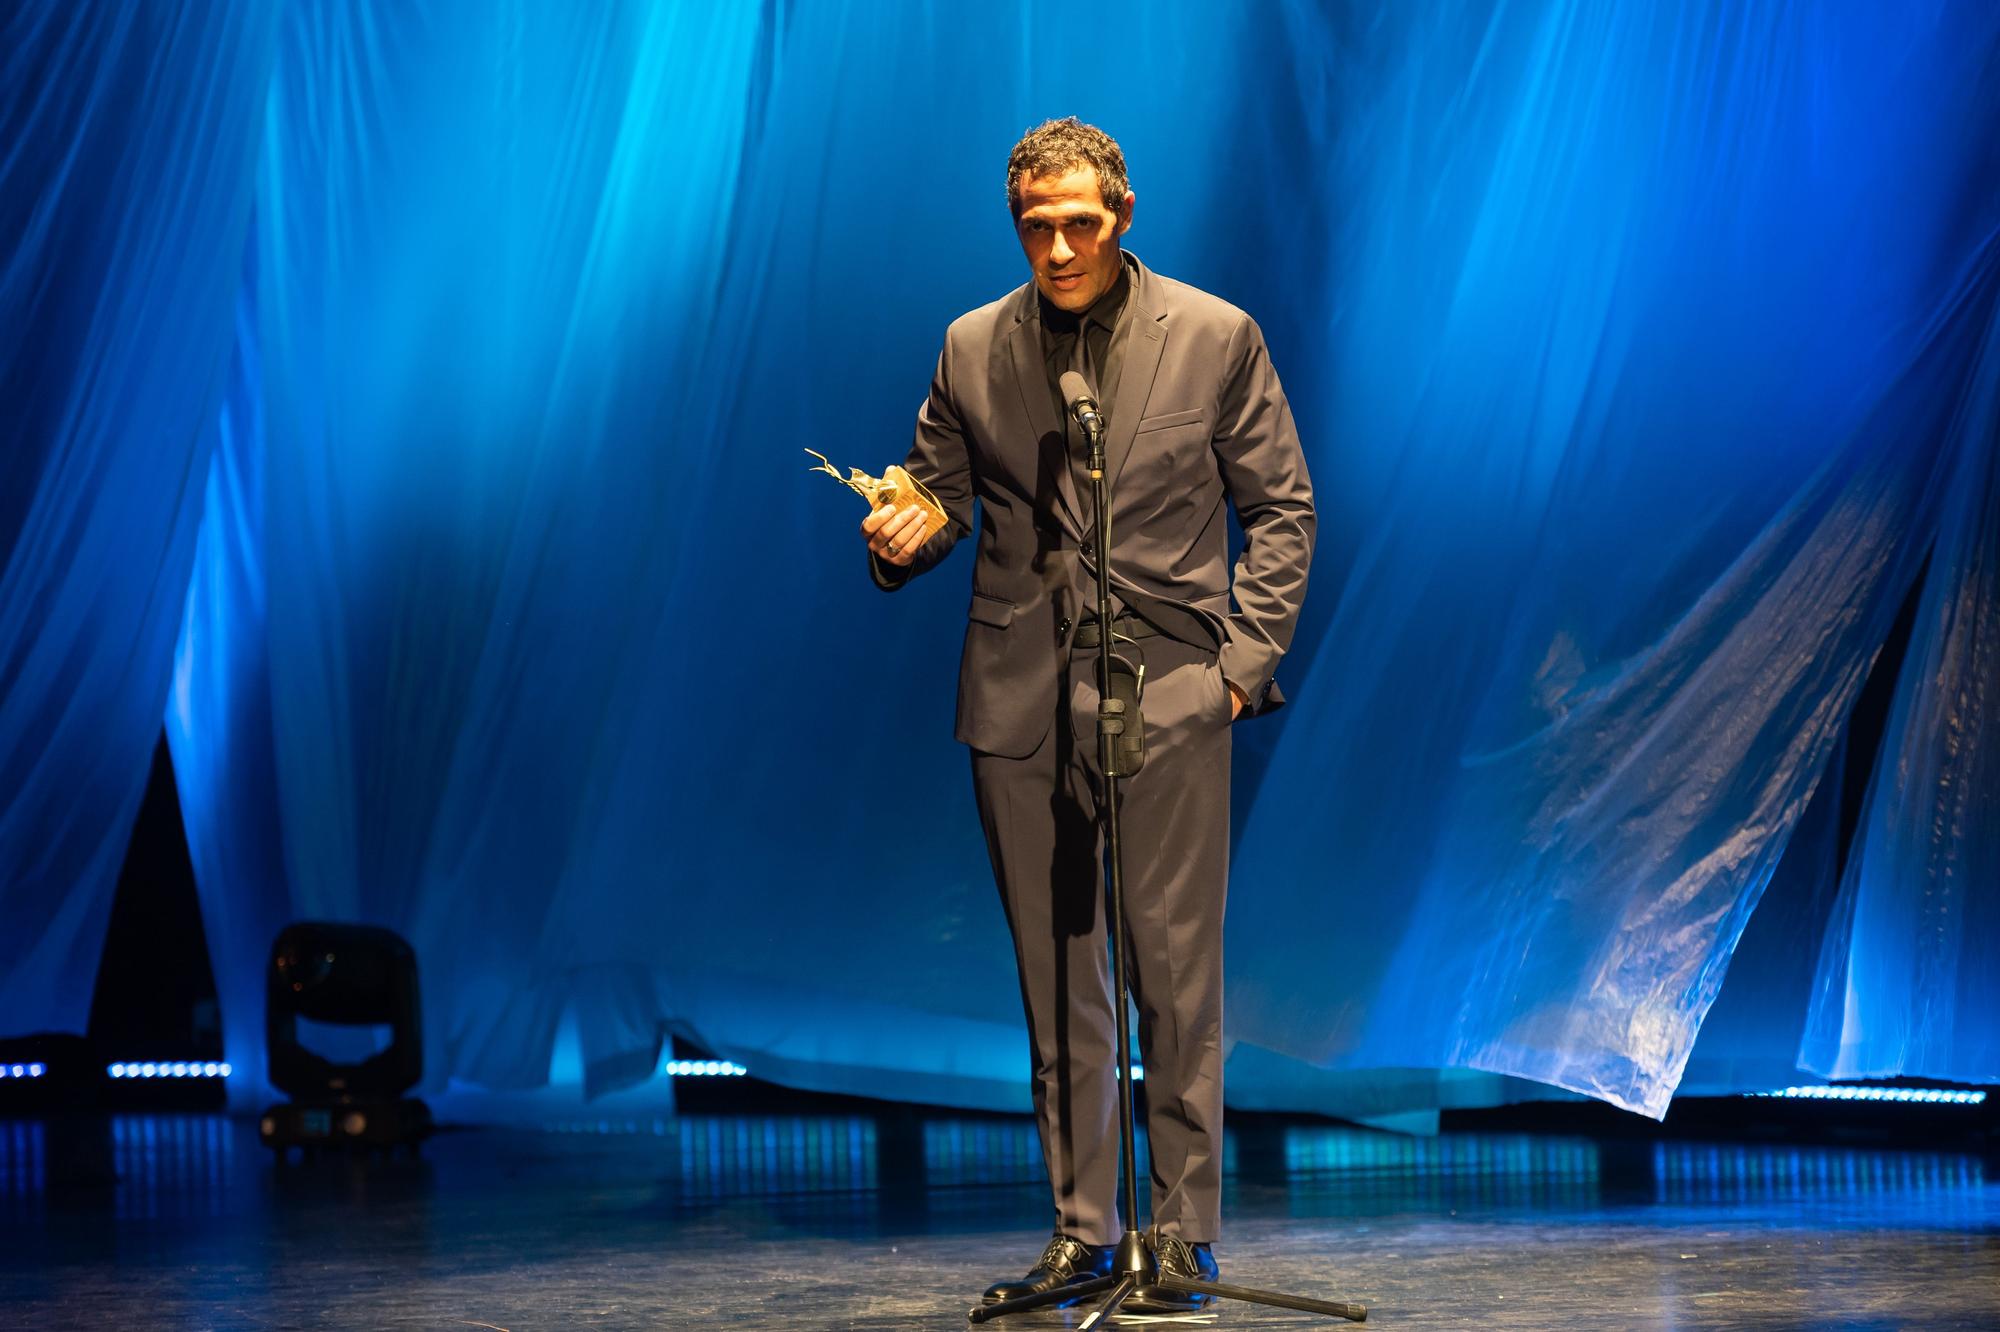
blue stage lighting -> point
(704, 1068)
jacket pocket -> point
(1169, 420)
(990, 610)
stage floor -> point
(897, 1220)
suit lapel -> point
(1045, 428)
(1139, 362)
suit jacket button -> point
(1062, 628)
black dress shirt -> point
(1097, 325)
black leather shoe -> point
(1064, 1263)
(1192, 1262)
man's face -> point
(1070, 237)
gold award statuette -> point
(895, 486)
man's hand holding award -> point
(905, 513)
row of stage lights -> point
(176, 1069)
(1896, 1095)
(678, 1068)
(704, 1068)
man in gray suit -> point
(1197, 421)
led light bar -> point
(1897, 1095)
(23, 1070)
(704, 1068)
(173, 1069)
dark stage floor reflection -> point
(896, 1220)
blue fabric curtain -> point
(1908, 975)
(126, 138)
(1664, 395)
(1640, 355)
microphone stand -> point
(1135, 1267)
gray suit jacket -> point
(1198, 419)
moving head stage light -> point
(346, 975)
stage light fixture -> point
(343, 975)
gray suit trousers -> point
(1040, 819)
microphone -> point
(1082, 402)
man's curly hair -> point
(1056, 146)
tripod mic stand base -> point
(1354, 1313)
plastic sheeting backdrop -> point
(450, 371)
